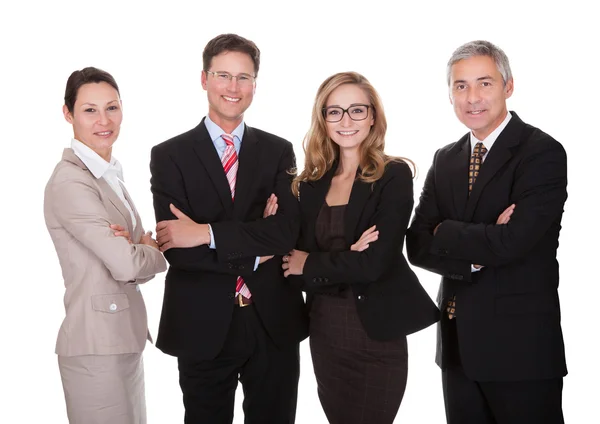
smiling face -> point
(228, 99)
(479, 95)
(96, 117)
(347, 133)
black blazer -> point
(508, 315)
(390, 300)
(200, 283)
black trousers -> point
(269, 377)
(496, 402)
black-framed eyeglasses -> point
(356, 112)
(225, 77)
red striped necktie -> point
(230, 166)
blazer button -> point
(137, 287)
(113, 307)
(326, 279)
(315, 280)
(361, 298)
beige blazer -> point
(105, 311)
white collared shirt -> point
(488, 142)
(112, 171)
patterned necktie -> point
(474, 166)
(230, 166)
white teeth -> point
(231, 99)
(104, 133)
(347, 132)
(475, 112)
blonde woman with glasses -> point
(363, 298)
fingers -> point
(271, 206)
(117, 227)
(177, 212)
(368, 231)
(505, 215)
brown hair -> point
(230, 43)
(86, 76)
(321, 152)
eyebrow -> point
(94, 104)
(353, 104)
(487, 77)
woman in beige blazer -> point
(104, 255)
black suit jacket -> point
(508, 315)
(200, 283)
(390, 300)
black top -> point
(330, 237)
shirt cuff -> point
(212, 244)
(473, 269)
(256, 263)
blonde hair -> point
(321, 152)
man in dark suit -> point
(228, 312)
(488, 221)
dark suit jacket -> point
(200, 283)
(390, 300)
(508, 315)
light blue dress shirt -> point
(215, 133)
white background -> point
(155, 53)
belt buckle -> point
(241, 301)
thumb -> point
(177, 212)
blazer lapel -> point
(459, 174)
(247, 172)
(358, 197)
(137, 231)
(205, 149)
(117, 203)
(500, 153)
(70, 156)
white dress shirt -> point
(112, 171)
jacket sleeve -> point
(274, 235)
(539, 192)
(168, 187)
(419, 237)
(391, 218)
(78, 207)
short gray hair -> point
(481, 48)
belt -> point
(242, 301)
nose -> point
(473, 95)
(103, 118)
(233, 84)
(346, 121)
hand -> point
(436, 228)
(504, 217)
(121, 232)
(271, 207)
(181, 232)
(293, 264)
(148, 240)
(369, 236)
(264, 259)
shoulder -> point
(271, 140)
(398, 169)
(535, 141)
(177, 143)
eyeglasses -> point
(225, 77)
(356, 112)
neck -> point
(349, 161)
(226, 124)
(105, 154)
